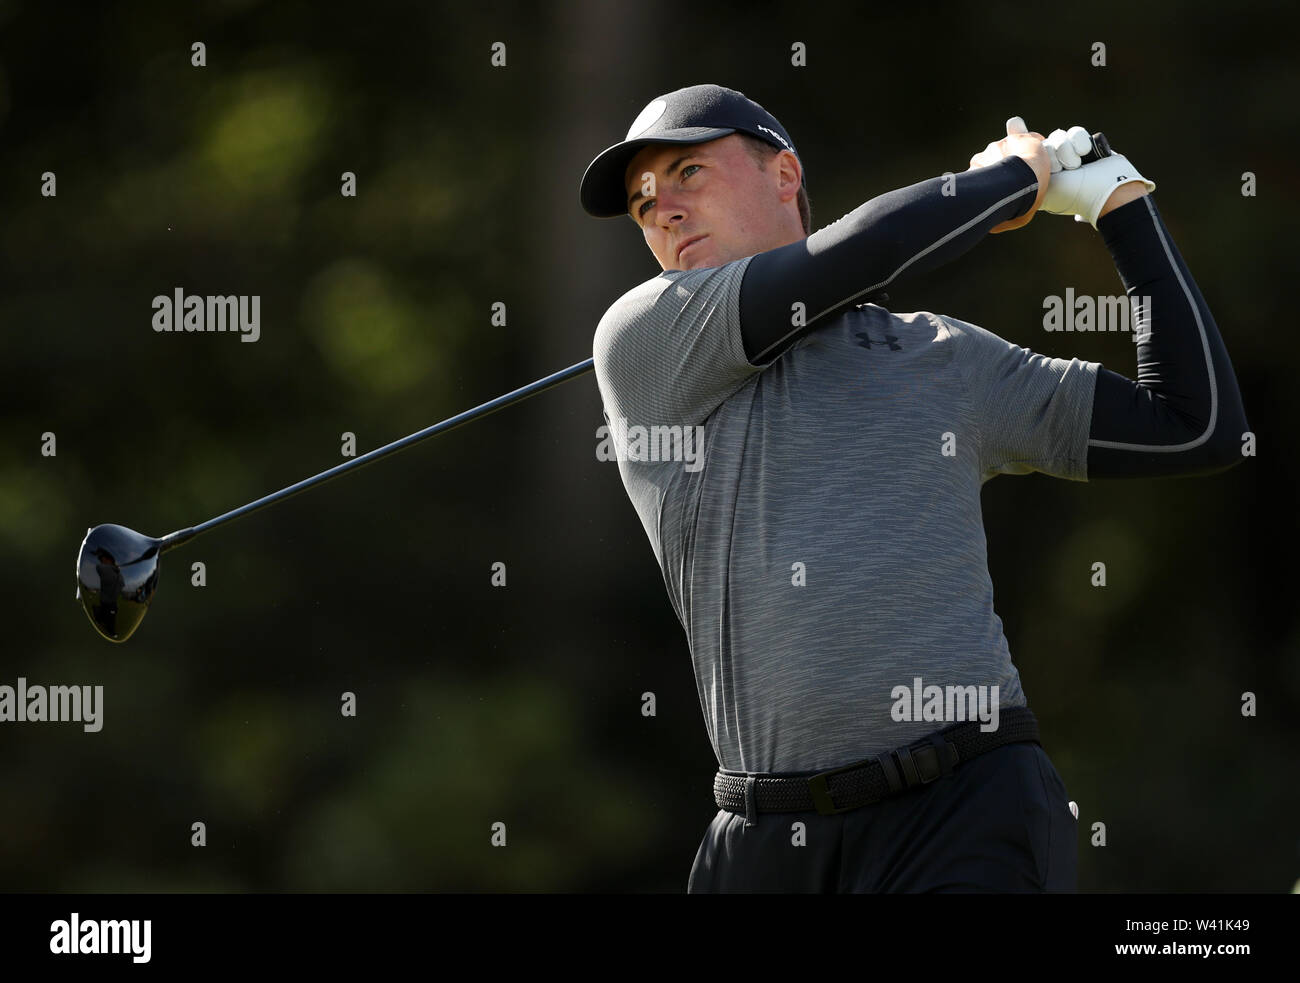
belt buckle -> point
(927, 766)
(926, 756)
(821, 794)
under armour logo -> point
(890, 340)
(1122, 177)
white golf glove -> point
(1082, 190)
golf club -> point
(117, 567)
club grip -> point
(1100, 149)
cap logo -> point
(647, 118)
(778, 136)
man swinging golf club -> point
(828, 561)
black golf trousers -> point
(1000, 822)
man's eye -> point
(650, 201)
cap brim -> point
(603, 192)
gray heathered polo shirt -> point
(828, 549)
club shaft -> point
(172, 540)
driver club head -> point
(117, 573)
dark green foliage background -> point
(522, 705)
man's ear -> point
(789, 174)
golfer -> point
(826, 554)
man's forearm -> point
(897, 234)
(1183, 415)
(1122, 196)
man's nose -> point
(670, 209)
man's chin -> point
(703, 261)
(701, 255)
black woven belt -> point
(873, 779)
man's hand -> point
(1096, 188)
(1019, 142)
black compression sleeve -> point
(910, 230)
(1183, 415)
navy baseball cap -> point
(695, 114)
